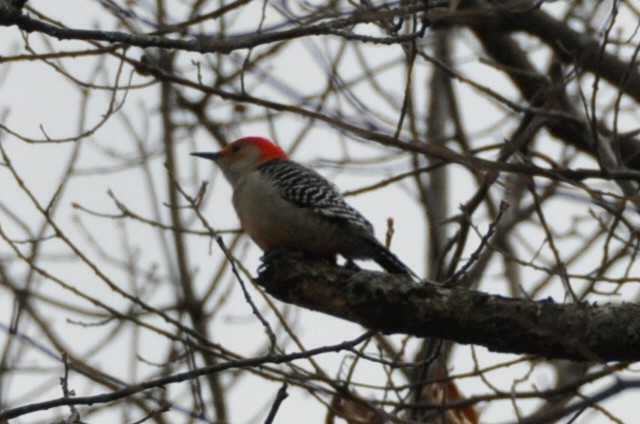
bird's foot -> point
(278, 253)
(274, 253)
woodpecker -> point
(285, 205)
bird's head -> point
(243, 156)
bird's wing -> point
(308, 189)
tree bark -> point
(394, 304)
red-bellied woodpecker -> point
(284, 205)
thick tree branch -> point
(571, 46)
(10, 10)
(393, 304)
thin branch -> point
(180, 377)
(280, 397)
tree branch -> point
(208, 43)
(393, 304)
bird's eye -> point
(235, 148)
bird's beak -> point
(207, 155)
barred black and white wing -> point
(308, 189)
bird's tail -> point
(390, 262)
